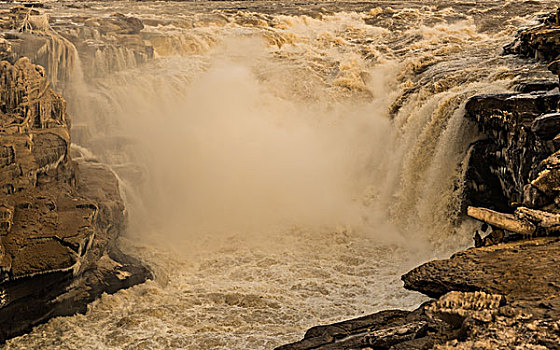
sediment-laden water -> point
(283, 163)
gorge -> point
(281, 165)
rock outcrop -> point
(59, 220)
(27, 33)
(519, 270)
(539, 42)
(515, 162)
(514, 143)
(106, 44)
(75, 45)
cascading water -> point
(280, 170)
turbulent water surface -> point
(283, 163)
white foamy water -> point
(282, 168)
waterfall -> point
(281, 170)
(231, 130)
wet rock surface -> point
(59, 219)
(520, 132)
(519, 270)
(457, 320)
(514, 143)
(539, 42)
(105, 44)
(101, 44)
(62, 251)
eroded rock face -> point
(35, 142)
(34, 128)
(24, 32)
(521, 132)
(514, 144)
(521, 276)
(57, 229)
(106, 44)
(540, 42)
(490, 321)
(102, 44)
(59, 219)
(546, 126)
(457, 320)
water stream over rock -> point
(283, 164)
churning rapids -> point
(283, 163)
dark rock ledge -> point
(503, 296)
(59, 219)
(505, 292)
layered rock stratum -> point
(59, 218)
(505, 292)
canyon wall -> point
(60, 216)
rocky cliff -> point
(59, 218)
(504, 293)
(513, 170)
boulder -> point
(518, 270)
(546, 126)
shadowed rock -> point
(536, 85)
(57, 229)
(547, 126)
(508, 156)
(540, 42)
(382, 330)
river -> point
(283, 163)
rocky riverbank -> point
(505, 292)
(60, 216)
